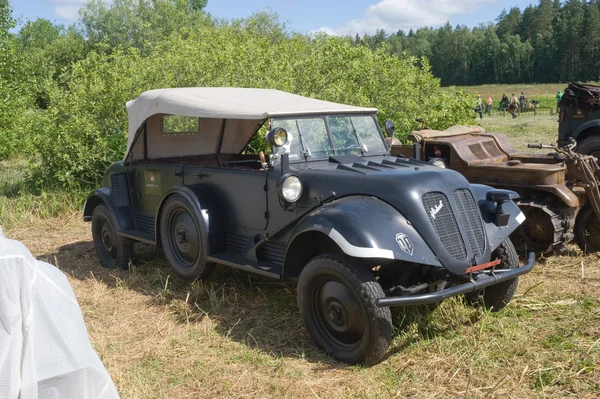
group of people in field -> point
(512, 104)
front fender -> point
(121, 214)
(213, 237)
(585, 126)
(366, 227)
(495, 233)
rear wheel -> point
(496, 297)
(587, 230)
(337, 299)
(181, 237)
(113, 250)
(590, 146)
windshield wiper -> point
(361, 146)
(305, 150)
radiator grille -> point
(118, 185)
(437, 207)
(469, 217)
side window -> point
(180, 124)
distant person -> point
(513, 104)
(479, 106)
(522, 101)
(489, 105)
(559, 95)
(504, 102)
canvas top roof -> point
(227, 103)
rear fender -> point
(579, 132)
(495, 233)
(362, 227)
(202, 201)
(121, 214)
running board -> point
(236, 261)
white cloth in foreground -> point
(45, 351)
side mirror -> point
(390, 128)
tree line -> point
(63, 89)
(550, 42)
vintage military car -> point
(360, 229)
(558, 190)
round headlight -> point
(290, 188)
(438, 162)
(277, 137)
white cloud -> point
(393, 15)
(67, 9)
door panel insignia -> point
(405, 243)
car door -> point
(149, 182)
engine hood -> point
(407, 185)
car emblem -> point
(404, 243)
(434, 210)
(152, 178)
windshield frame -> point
(325, 118)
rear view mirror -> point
(390, 128)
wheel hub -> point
(184, 237)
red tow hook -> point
(483, 266)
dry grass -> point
(239, 335)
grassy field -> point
(535, 91)
(240, 335)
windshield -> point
(321, 137)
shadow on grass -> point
(254, 310)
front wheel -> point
(337, 299)
(496, 297)
(587, 230)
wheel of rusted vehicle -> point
(337, 299)
(587, 230)
(181, 237)
(497, 296)
(113, 250)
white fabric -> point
(45, 351)
(227, 103)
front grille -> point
(441, 216)
(469, 217)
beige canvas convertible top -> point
(228, 103)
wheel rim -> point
(339, 317)
(538, 231)
(591, 232)
(183, 238)
(105, 233)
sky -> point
(339, 17)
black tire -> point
(113, 251)
(181, 237)
(587, 230)
(337, 298)
(590, 146)
(497, 296)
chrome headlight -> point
(289, 188)
(437, 162)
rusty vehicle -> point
(579, 118)
(559, 190)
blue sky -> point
(332, 16)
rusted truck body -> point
(552, 188)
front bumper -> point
(483, 280)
